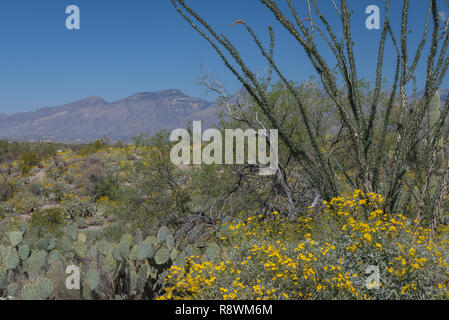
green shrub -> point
(47, 220)
(6, 190)
(29, 160)
(76, 207)
(58, 190)
(94, 147)
(106, 186)
(37, 189)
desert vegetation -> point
(361, 182)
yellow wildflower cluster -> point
(321, 256)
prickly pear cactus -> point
(116, 254)
(170, 242)
(30, 292)
(143, 251)
(15, 238)
(92, 279)
(213, 251)
(72, 231)
(162, 256)
(133, 265)
(125, 249)
(109, 264)
(66, 245)
(162, 234)
(104, 247)
(35, 263)
(13, 289)
(42, 244)
(138, 236)
(44, 288)
(13, 260)
(24, 252)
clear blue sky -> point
(126, 46)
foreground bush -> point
(325, 256)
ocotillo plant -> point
(436, 179)
(377, 166)
(434, 116)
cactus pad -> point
(44, 288)
(162, 234)
(15, 238)
(162, 256)
(92, 279)
(30, 292)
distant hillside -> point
(93, 118)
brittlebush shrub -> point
(323, 256)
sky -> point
(129, 46)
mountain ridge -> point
(93, 117)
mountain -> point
(93, 117)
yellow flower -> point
(367, 237)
